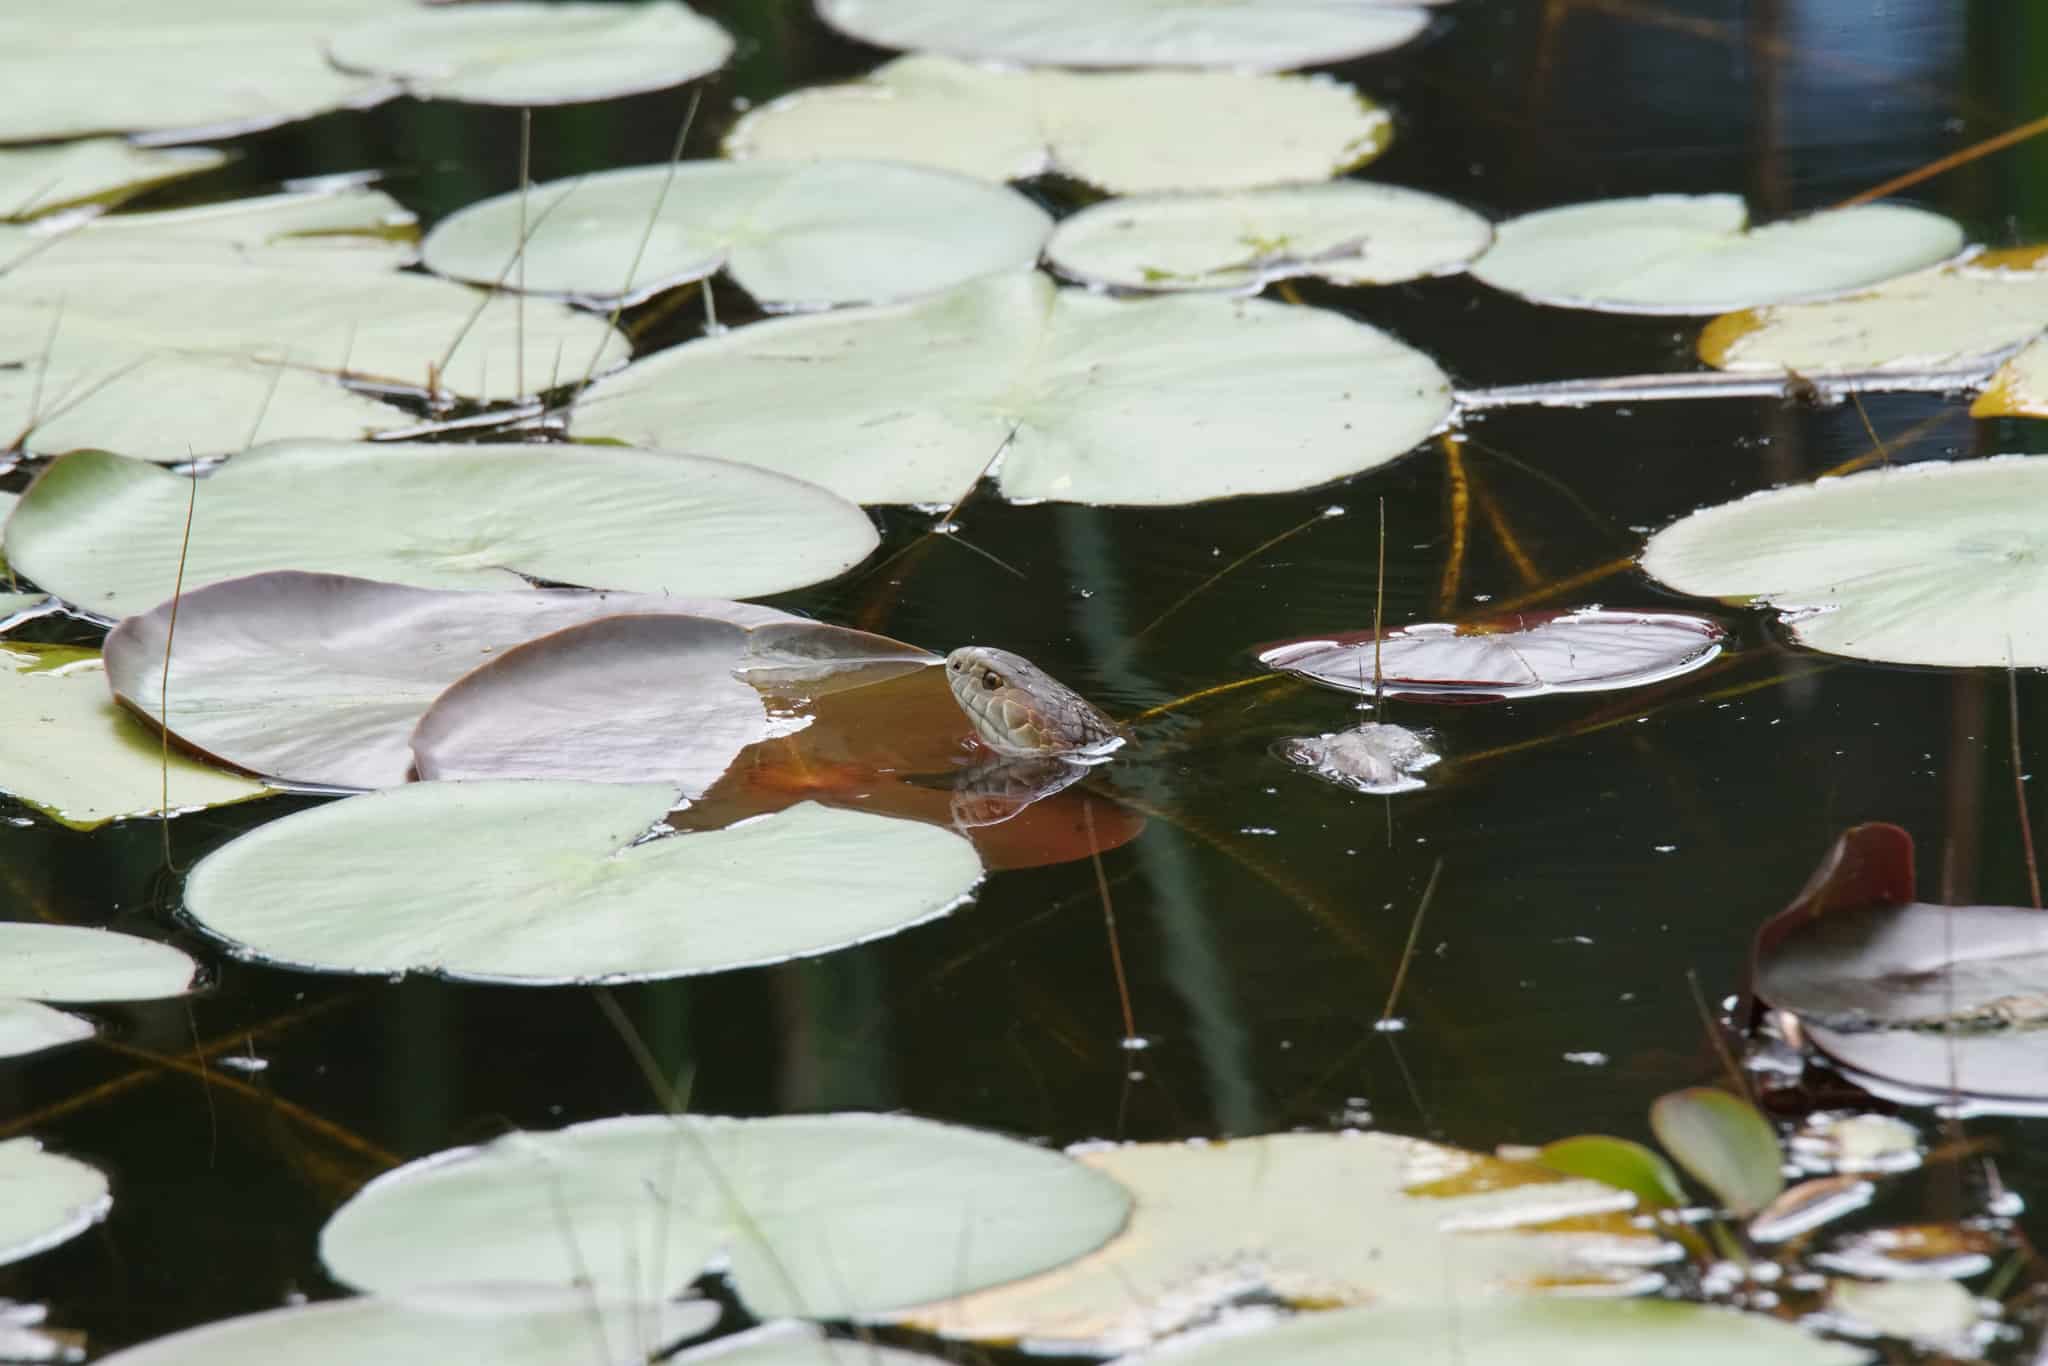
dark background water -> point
(1262, 913)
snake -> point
(1020, 711)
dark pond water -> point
(1585, 874)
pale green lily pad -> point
(504, 1325)
(1941, 562)
(1724, 1143)
(216, 67)
(790, 1342)
(104, 533)
(1937, 1315)
(73, 963)
(1328, 1219)
(45, 1199)
(1349, 232)
(818, 1216)
(1127, 132)
(1698, 254)
(526, 54)
(1155, 401)
(1529, 1333)
(794, 234)
(1246, 34)
(536, 883)
(70, 751)
(319, 679)
(347, 225)
(1930, 320)
(40, 180)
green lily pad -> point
(40, 180)
(45, 1199)
(515, 53)
(1698, 254)
(1616, 1162)
(1323, 1219)
(214, 66)
(72, 753)
(1724, 1143)
(1155, 402)
(104, 533)
(1262, 34)
(319, 679)
(72, 963)
(347, 225)
(1126, 132)
(798, 1207)
(1932, 320)
(1941, 562)
(794, 234)
(1534, 1332)
(1349, 232)
(535, 883)
(505, 1325)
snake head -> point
(1019, 709)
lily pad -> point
(536, 883)
(319, 679)
(45, 1199)
(348, 225)
(2020, 388)
(1933, 563)
(219, 67)
(40, 180)
(1529, 1333)
(1527, 655)
(794, 234)
(1373, 757)
(72, 753)
(628, 698)
(1698, 254)
(506, 1325)
(72, 963)
(1155, 401)
(525, 53)
(1724, 1144)
(1349, 232)
(12, 603)
(1616, 1162)
(1125, 132)
(1261, 34)
(1216, 1223)
(1930, 320)
(796, 1206)
(104, 533)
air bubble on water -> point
(1393, 1024)
(1135, 1043)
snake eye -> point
(991, 680)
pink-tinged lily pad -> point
(1526, 655)
(1940, 1000)
(638, 698)
(319, 679)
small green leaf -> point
(1724, 1144)
(1616, 1162)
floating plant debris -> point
(1373, 757)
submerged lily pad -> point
(1527, 655)
(536, 883)
(41, 180)
(1216, 1223)
(104, 533)
(320, 678)
(505, 1325)
(1934, 563)
(510, 52)
(72, 753)
(1373, 757)
(794, 234)
(1698, 254)
(1528, 1333)
(1155, 401)
(1126, 132)
(798, 1207)
(217, 66)
(1930, 320)
(1265, 34)
(1350, 232)
(45, 1199)
(71, 963)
